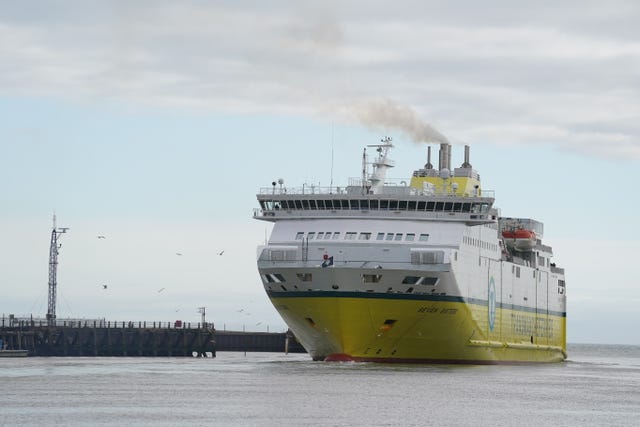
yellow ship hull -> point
(379, 328)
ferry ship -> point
(428, 272)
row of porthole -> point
(365, 235)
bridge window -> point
(410, 237)
(320, 204)
(364, 236)
(422, 206)
(398, 237)
(336, 235)
(402, 205)
(380, 236)
(351, 235)
(384, 205)
(344, 204)
(439, 206)
(305, 204)
(389, 236)
(448, 206)
(327, 235)
(374, 204)
(431, 206)
(411, 206)
(424, 237)
(393, 205)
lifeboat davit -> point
(520, 240)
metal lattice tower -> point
(53, 271)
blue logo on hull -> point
(492, 303)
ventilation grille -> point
(427, 257)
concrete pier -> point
(146, 339)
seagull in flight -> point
(104, 286)
(101, 237)
(160, 290)
(220, 253)
(178, 253)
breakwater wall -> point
(146, 339)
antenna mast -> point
(53, 271)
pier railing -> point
(7, 322)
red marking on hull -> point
(339, 357)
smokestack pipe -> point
(466, 163)
(428, 165)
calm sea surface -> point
(597, 386)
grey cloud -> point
(492, 71)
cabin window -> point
(371, 278)
(336, 235)
(299, 235)
(389, 236)
(311, 235)
(304, 277)
(420, 280)
(424, 237)
(398, 237)
(364, 236)
(327, 235)
(350, 235)
(320, 235)
(380, 236)
(410, 237)
(274, 278)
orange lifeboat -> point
(519, 239)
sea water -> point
(597, 386)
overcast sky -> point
(155, 124)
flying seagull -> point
(101, 237)
(160, 290)
(220, 253)
(178, 253)
(104, 286)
